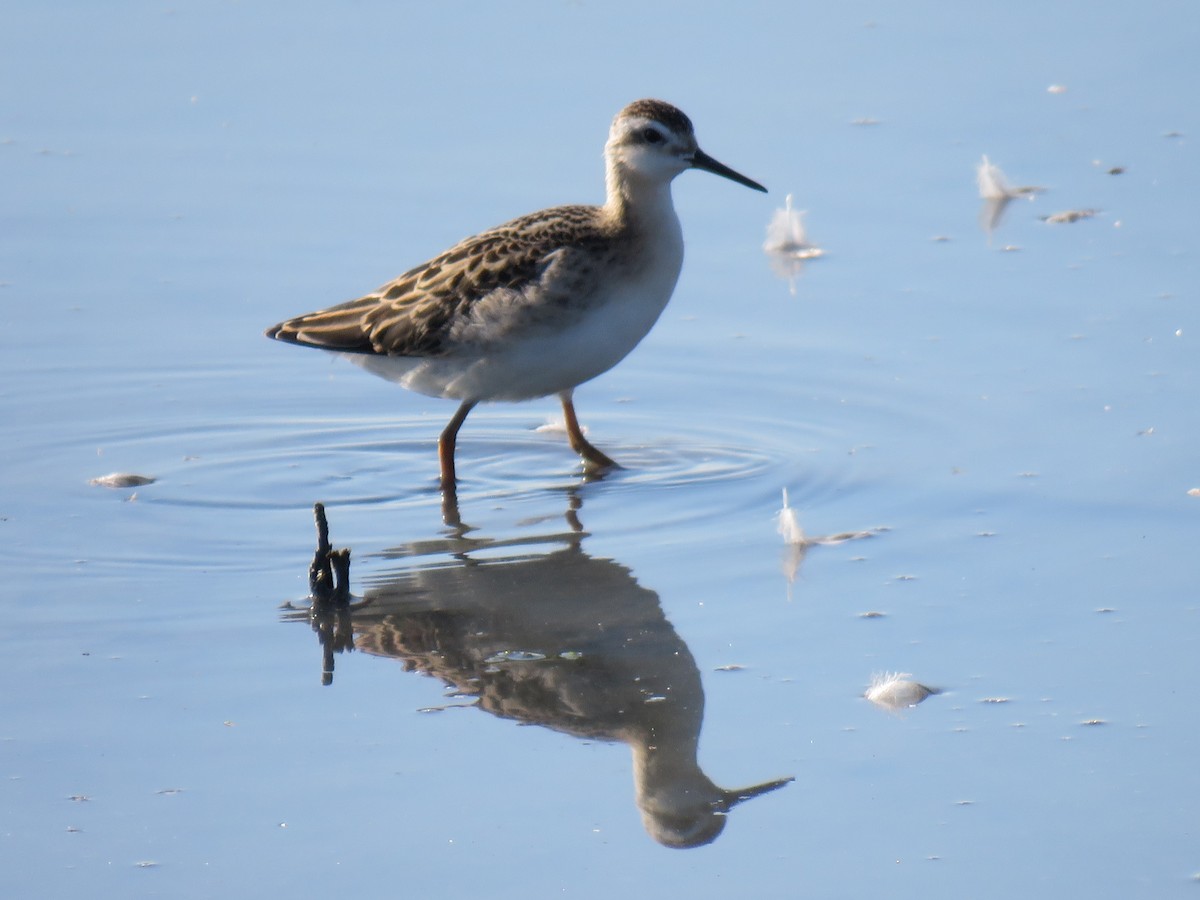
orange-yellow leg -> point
(595, 459)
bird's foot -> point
(595, 462)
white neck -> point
(637, 197)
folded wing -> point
(414, 314)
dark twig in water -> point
(329, 583)
(320, 575)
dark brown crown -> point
(659, 111)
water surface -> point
(1010, 415)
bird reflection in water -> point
(537, 631)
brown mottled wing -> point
(412, 315)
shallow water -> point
(1011, 417)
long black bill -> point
(703, 161)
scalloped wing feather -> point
(415, 314)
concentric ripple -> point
(283, 464)
(236, 492)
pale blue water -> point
(1023, 423)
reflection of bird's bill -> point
(733, 797)
(693, 825)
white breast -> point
(557, 354)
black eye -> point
(652, 136)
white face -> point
(649, 149)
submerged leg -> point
(447, 441)
(594, 458)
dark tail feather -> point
(340, 328)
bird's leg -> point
(446, 445)
(594, 458)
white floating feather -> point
(993, 184)
(556, 425)
(895, 690)
(786, 229)
(788, 524)
(787, 244)
(796, 542)
(787, 235)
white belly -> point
(547, 354)
(543, 362)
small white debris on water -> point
(1068, 216)
(895, 690)
(555, 425)
(122, 480)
